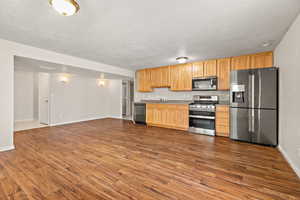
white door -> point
(44, 100)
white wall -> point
(287, 58)
(82, 99)
(24, 95)
(10, 49)
(36, 96)
(115, 98)
(6, 100)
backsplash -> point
(171, 95)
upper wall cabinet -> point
(240, 62)
(210, 68)
(198, 69)
(223, 73)
(252, 61)
(160, 77)
(181, 77)
(144, 80)
(204, 69)
(262, 60)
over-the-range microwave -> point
(204, 84)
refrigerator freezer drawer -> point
(254, 125)
(239, 124)
(265, 127)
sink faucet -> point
(163, 99)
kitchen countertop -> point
(177, 102)
(166, 102)
(225, 103)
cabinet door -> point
(157, 114)
(240, 62)
(262, 60)
(210, 68)
(165, 76)
(223, 73)
(182, 117)
(198, 69)
(149, 113)
(144, 80)
(181, 77)
(155, 77)
(222, 121)
(160, 77)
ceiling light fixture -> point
(182, 59)
(266, 44)
(65, 7)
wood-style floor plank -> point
(115, 159)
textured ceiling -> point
(32, 65)
(138, 33)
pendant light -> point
(65, 7)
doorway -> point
(31, 99)
(44, 91)
(127, 99)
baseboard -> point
(25, 120)
(7, 148)
(77, 121)
(294, 167)
(116, 116)
(88, 119)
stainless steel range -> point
(202, 114)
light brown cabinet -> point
(222, 120)
(173, 116)
(223, 73)
(144, 80)
(240, 62)
(160, 77)
(262, 60)
(198, 69)
(252, 61)
(204, 69)
(210, 68)
(181, 77)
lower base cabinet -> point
(174, 116)
(222, 120)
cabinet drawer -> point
(222, 122)
(222, 108)
(222, 115)
(222, 130)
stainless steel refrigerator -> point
(254, 106)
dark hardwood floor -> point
(114, 159)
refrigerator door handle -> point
(252, 120)
(249, 121)
(252, 90)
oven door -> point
(202, 122)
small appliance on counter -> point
(205, 84)
(254, 106)
(202, 114)
(139, 113)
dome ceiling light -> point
(65, 7)
(182, 60)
